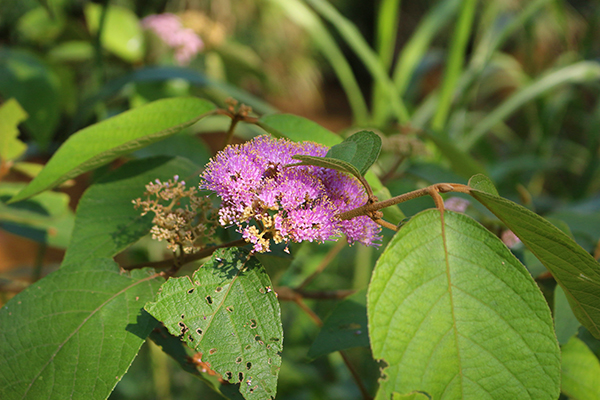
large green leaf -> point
(345, 328)
(101, 143)
(36, 87)
(106, 221)
(228, 312)
(11, 114)
(580, 371)
(453, 313)
(74, 334)
(572, 267)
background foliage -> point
(453, 88)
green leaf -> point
(453, 313)
(106, 221)
(45, 218)
(416, 395)
(182, 354)
(35, 86)
(566, 324)
(298, 129)
(325, 162)
(11, 115)
(361, 150)
(345, 328)
(580, 371)
(74, 333)
(101, 143)
(121, 34)
(483, 183)
(227, 312)
(572, 267)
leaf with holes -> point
(74, 333)
(228, 312)
(454, 314)
(573, 268)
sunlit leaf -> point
(454, 314)
(11, 115)
(75, 333)
(228, 312)
(101, 143)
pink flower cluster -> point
(287, 203)
(184, 41)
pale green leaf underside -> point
(454, 314)
(580, 371)
(103, 142)
(106, 221)
(74, 334)
(229, 313)
(572, 267)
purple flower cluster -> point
(168, 27)
(288, 203)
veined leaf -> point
(454, 314)
(101, 143)
(326, 162)
(74, 333)
(298, 129)
(228, 312)
(106, 221)
(572, 267)
(361, 150)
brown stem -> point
(234, 121)
(325, 262)
(438, 188)
(186, 259)
(385, 224)
(388, 175)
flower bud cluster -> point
(266, 198)
(180, 226)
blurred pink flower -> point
(510, 239)
(456, 204)
(184, 41)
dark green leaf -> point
(580, 371)
(182, 145)
(453, 313)
(75, 333)
(572, 267)
(324, 162)
(36, 87)
(103, 142)
(106, 221)
(565, 322)
(228, 312)
(360, 150)
(345, 328)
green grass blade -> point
(305, 17)
(385, 40)
(417, 46)
(455, 62)
(575, 73)
(357, 43)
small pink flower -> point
(168, 27)
(510, 239)
(456, 204)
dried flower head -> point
(180, 226)
(294, 203)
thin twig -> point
(334, 251)
(356, 376)
(385, 224)
(187, 259)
